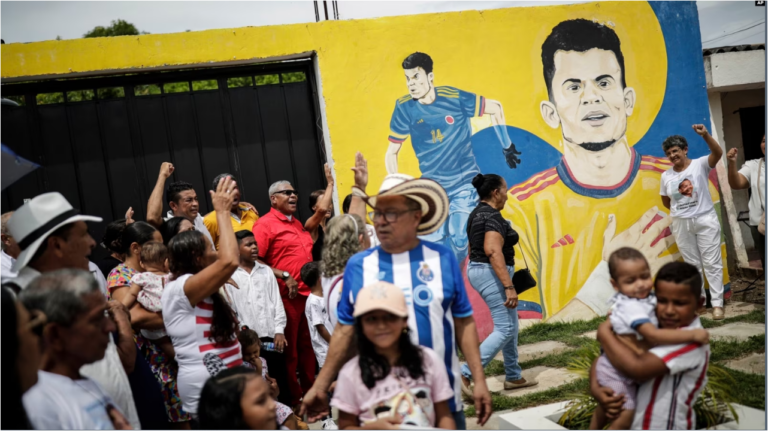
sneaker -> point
(718, 313)
(329, 424)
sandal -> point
(518, 384)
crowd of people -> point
(236, 320)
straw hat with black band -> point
(427, 193)
(37, 219)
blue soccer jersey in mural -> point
(441, 135)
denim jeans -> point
(460, 419)
(505, 326)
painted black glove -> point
(511, 154)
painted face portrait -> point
(589, 103)
(685, 188)
(419, 82)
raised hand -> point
(129, 216)
(650, 235)
(510, 154)
(328, 174)
(166, 169)
(700, 129)
(223, 196)
(732, 153)
(361, 171)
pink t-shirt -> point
(353, 397)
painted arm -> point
(496, 111)
(390, 160)
(322, 207)
(736, 180)
(208, 281)
(468, 342)
(715, 150)
(155, 204)
(637, 367)
(668, 337)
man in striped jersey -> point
(672, 376)
(440, 315)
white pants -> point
(698, 239)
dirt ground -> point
(755, 295)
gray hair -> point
(274, 186)
(4, 222)
(218, 178)
(59, 294)
(674, 141)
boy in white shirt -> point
(320, 328)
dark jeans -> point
(278, 371)
(759, 243)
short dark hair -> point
(347, 202)
(486, 184)
(171, 227)
(154, 252)
(173, 192)
(313, 197)
(248, 337)
(674, 141)
(579, 35)
(681, 273)
(219, 406)
(310, 273)
(218, 178)
(418, 59)
(622, 254)
(139, 232)
(62, 232)
(112, 236)
(243, 234)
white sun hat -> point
(31, 224)
(428, 193)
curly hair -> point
(341, 242)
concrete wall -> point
(738, 70)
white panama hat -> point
(31, 224)
(428, 193)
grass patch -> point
(561, 393)
(754, 316)
(748, 389)
(557, 331)
(560, 360)
(728, 349)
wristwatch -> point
(286, 275)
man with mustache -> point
(600, 185)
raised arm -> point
(357, 206)
(637, 367)
(736, 180)
(155, 204)
(323, 206)
(208, 281)
(668, 337)
(715, 150)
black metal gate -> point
(100, 141)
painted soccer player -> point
(438, 121)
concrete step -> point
(546, 376)
(738, 331)
(527, 352)
(754, 364)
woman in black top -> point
(490, 270)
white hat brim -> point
(30, 251)
(428, 193)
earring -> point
(405, 330)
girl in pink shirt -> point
(392, 383)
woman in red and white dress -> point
(200, 322)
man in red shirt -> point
(286, 246)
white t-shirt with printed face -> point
(317, 315)
(198, 356)
(688, 190)
(58, 402)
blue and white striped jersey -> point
(434, 291)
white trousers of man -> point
(698, 239)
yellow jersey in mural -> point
(564, 225)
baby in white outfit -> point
(147, 289)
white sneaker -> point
(329, 424)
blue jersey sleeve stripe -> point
(462, 315)
(639, 322)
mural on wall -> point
(599, 192)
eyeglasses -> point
(288, 193)
(389, 216)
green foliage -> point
(713, 406)
(267, 79)
(49, 98)
(210, 84)
(176, 87)
(728, 349)
(240, 81)
(117, 28)
(293, 77)
(501, 402)
(558, 331)
(146, 90)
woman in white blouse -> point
(752, 176)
